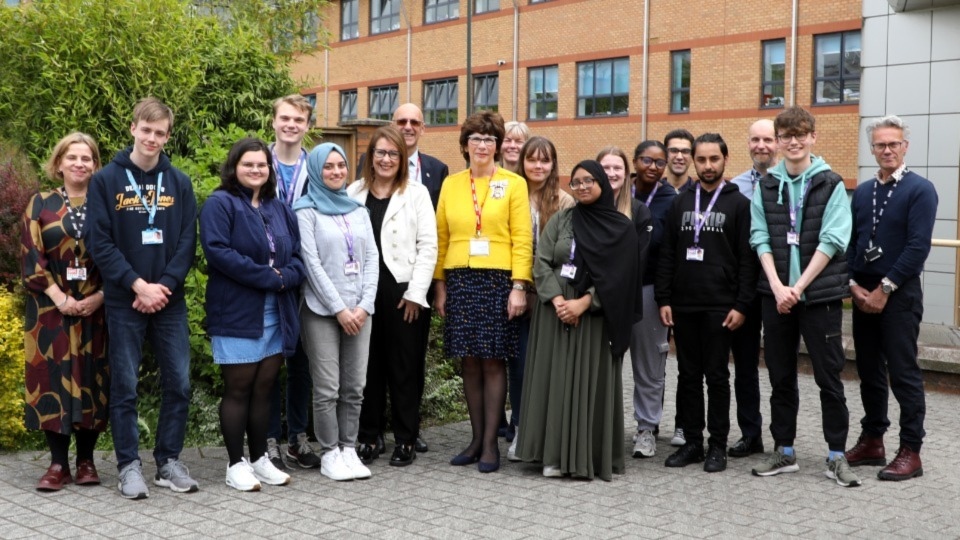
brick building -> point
(574, 70)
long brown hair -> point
(623, 195)
(550, 192)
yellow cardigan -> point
(505, 222)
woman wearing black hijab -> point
(587, 275)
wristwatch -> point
(887, 286)
(519, 287)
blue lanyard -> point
(698, 221)
(288, 193)
(152, 212)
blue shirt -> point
(747, 182)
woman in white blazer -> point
(405, 229)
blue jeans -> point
(169, 339)
(298, 397)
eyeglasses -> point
(660, 163)
(254, 166)
(477, 140)
(585, 183)
(675, 150)
(801, 138)
(392, 154)
(413, 122)
(882, 147)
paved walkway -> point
(434, 500)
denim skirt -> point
(235, 350)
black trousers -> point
(703, 352)
(886, 344)
(396, 363)
(820, 325)
(745, 346)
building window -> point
(837, 71)
(440, 10)
(312, 98)
(484, 6)
(383, 101)
(538, 1)
(603, 87)
(440, 102)
(349, 19)
(348, 104)
(544, 88)
(384, 16)
(774, 73)
(486, 92)
(680, 81)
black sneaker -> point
(687, 454)
(367, 453)
(273, 452)
(716, 459)
(300, 453)
(747, 446)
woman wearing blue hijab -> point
(342, 265)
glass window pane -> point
(621, 104)
(604, 78)
(585, 79)
(552, 80)
(621, 77)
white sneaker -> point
(352, 461)
(240, 476)
(552, 472)
(512, 451)
(333, 467)
(268, 473)
(646, 445)
(678, 438)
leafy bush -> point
(17, 183)
(11, 369)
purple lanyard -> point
(795, 209)
(288, 193)
(573, 248)
(699, 221)
(654, 192)
(345, 229)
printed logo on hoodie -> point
(129, 200)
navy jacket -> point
(233, 237)
(659, 206)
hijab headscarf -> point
(608, 258)
(319, 196)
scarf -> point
(319, 197)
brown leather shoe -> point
(87, 473)
(868, 451)
(55, 478)
(903, 467)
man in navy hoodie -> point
(893, 217)
(704, 286)
(143, 237)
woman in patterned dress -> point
(67, 377)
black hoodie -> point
(118, 219)
(727, 276)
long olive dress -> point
(572, 408)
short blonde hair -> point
(151, 109)
(52, 166)
(299, 102)
(516, 128)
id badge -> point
(76, 274)
(351, 268)
(568, 271)
(872, 254)
(479, 247)
(151, 237)
(793, 238)
(695, 254)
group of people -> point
(542, 287)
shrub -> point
(18, 183)
(11, 369)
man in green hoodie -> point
(800, 228)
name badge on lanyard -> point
(793, 237)
(479, 247)
(352, 266)
(76, 273)
(695, 252)
(150, 236)
(569, 270)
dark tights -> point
(59, 445)
(245, 407)
(485, 388)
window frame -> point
(839, 79)
(354, 24)
(544, 99)
(347, 94)
(377, 21)
(487, 6)
(772, 83)
(482, 89)
(584, 99)
(677, 91)
(375, 91)
(437, 5)
(431, 111)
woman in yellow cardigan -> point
(485, 257)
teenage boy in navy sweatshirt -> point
(704, 286)
(143, 236)
(893, 217)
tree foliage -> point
(82, 65)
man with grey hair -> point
(745, 342)
(893, 217)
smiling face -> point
(679, 156)
(510, 149)
(762, 144)
(148, 139)
(335, 171)
(290, 124)
(585, 188)
(77, 165)
(253, 170)
(481, 148)
(386, 160)
(650, 165)
(616, 170)
(409, 120)
(796, 146)
(537, 168)
(887, 158)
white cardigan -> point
(408, 237)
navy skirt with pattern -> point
(476, 323)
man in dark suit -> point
(424, 169)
